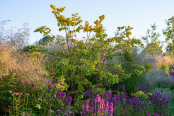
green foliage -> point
(80, 65)
(7, 87)
(79, 61)
(170, 29)
(142, 94)
(153, 44)
(165, 67)
(29, 48)
(148, 67)
(44, 40)
(169, 33)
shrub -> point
(83, 60)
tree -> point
(44, 40)
(83, 64)
(169, 33)
(153, 44)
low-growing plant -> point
(42, 100)
(139, 103)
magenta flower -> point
(87, 101)
(98, 98)
(83, 105)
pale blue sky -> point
(136, 13)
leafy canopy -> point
(84, 63)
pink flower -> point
(111, 104)
(10, 106)
(102, 101)
(87, 101)
(111, 107)
(17, 94)
(98, 98)
(83, 106)
(107, 104)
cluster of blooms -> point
(137, 103)
(122, 100)
(97, 107)
(60, 98)
(153, 114)
(160, 101)
(110, 98)
(17, 94)
(63, 102)
(16, 104)
(61, 85)
(67, 99)
(172, 74)
(144, 89)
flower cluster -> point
(61, 85)
(160, 101)
(137, 103)
(144, 89)
(140, 101)
(172, 74)
(115, 99)
(62, 102)
(67, 99)
(153, 114)
(17, 94)
(97, 107)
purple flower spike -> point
(70, 99)
(172, 73)
(92, 104)
(161, 91)
(83, 106)
(56, 82)
(68, 93)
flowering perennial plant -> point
(60, 99)
(140, 102)
(97, 107)
(160, 102)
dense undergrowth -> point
(97, 76)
